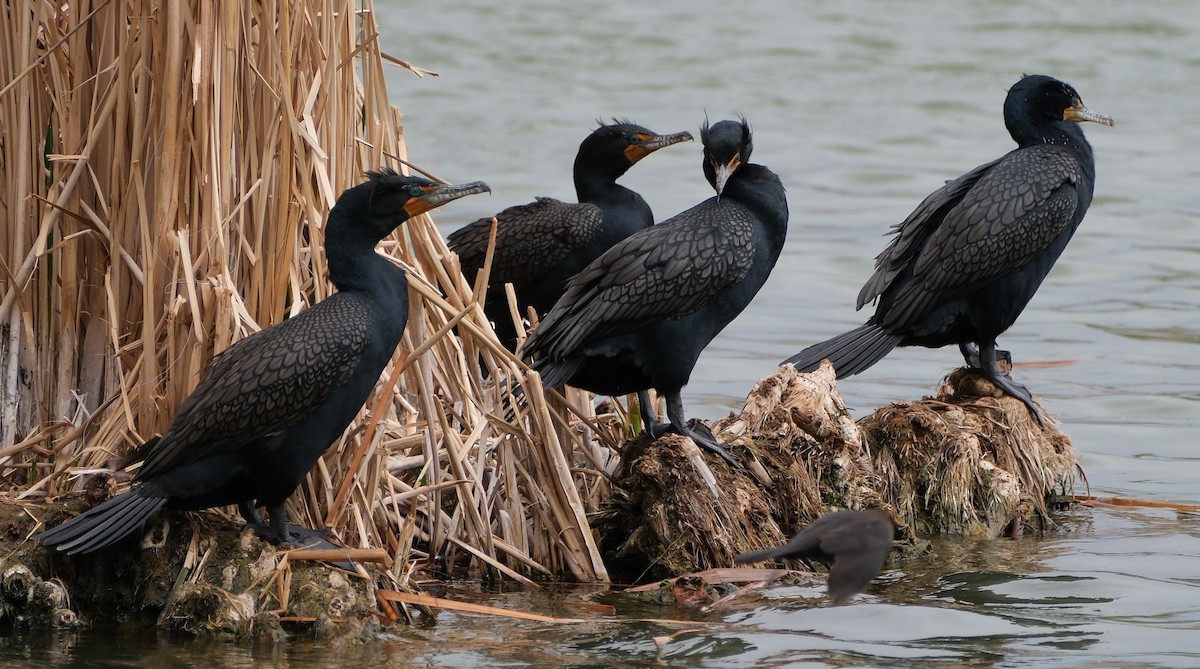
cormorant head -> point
(1038, 101)
(727, 146)
(623, 143)
(391, 198)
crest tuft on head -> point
(381, 173)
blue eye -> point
(634, 139)
(414, 191)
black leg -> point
(254, 520)
(249, 513)
(970, 353)
(700, 434)
(280, 531)
(653, 426)
(280, 527)
(987, 358)
(296, 535)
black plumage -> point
(639, 315)
(963, 265)
(271, 404)
(542, 244)
(854, 543)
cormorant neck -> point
(1058, 133)
(350, 254)
(759, 189)
(596, 180)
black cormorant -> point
(639, 315)
(273, 402)
(541, 245)
(855, 542)
(964, 264)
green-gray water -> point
(863, 108)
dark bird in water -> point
(272, 403)
(855, 543)
(541, 245)
(963, 265)
(639, 315)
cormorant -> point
(855, 542)
(272, 403)
(964, 264)
(639, 315)
(542, 244)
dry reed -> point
(167, 170)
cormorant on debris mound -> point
(639, 315)
(964, 264)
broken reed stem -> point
(178, 205)
(429, 601)
(485, 274)
(1128, 502)
(364, 443)
(339, 554)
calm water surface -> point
(863, 108)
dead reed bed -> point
(167, 171)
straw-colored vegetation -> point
(167, 171)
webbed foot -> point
(990, 369)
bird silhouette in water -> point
(638, 316)
(854, 543)
(272, 403)
(963, 265)
(542, 244)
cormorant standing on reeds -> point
(542, 244)
(273, 402)
(639, 315)
(964, 264)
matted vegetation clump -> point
(967, 461)
(970, 460)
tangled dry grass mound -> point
(967, 461)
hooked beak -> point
(724, 172)
(1078, 113)
(635, 152)
(441, 195)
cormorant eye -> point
(634, 139)
(414, 191)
